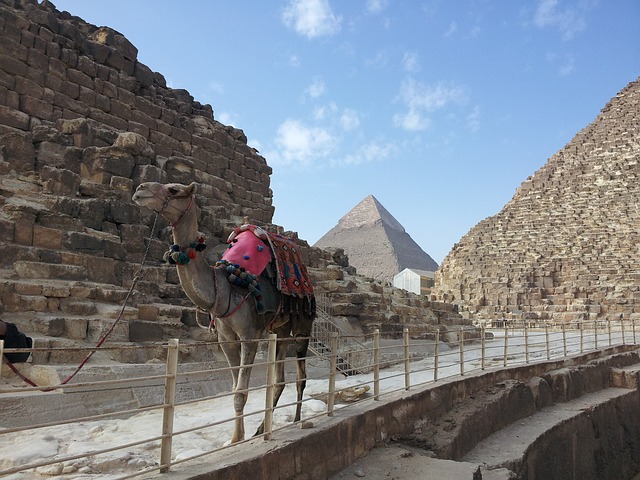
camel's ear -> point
(191, 189)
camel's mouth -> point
(141, 195)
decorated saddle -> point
(252, 249)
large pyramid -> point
(567, 245)
(375, 242)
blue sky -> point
(438, 108)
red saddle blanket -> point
(252, 248)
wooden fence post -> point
(484, 346)
(407, 366)
(546, 334)
(376, 364)
(333, 365)
(506, 342)
(461, 338)
(436, 354)
(169, 404)
(526, 342)
(270, 391)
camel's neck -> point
(197, 276)
(186, 229)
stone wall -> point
(566, 247)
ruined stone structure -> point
(566, 247)
(377, 244)
(82, 123)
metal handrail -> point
(353, 356)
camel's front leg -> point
(248, 351)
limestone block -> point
(14, 118)
(346, 309)
(76, 328)
(101, 270)
(134, 143)
(53, 304)
(60, 181)
(28, 288)
(148, 312)
(23, 232)
(77, 307)
(122, 184)
(35, 303)
(45, 237)
(19, 151)
(140, 331)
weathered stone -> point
(59, 181)
(134, 143)
(140, 331)
(18, 151)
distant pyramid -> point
(377, 245)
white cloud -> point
(369, 153)
(410, 62)
(567, 66)
(316, 89)
(473, 119)
(421, 99)
(215, 87)
(380, 60)
(453, 26)
(565, 63)
(311, 18)
(412, 121)
(294, 61)
(227, 118)
(376, 6)
(421, 96)
(568, 21)
(349, 119)
(299, 144)
(322, 112)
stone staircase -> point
(573, 422)
(353, 358)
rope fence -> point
(394, 365)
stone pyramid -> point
(375, 242)
(566, 247)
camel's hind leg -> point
(301, 331)
(302, 345)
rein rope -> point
(137, 276)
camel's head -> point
(171, 200)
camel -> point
(237, 320)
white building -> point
(414, 280)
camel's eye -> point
(173, 190)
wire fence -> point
(394, 365)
